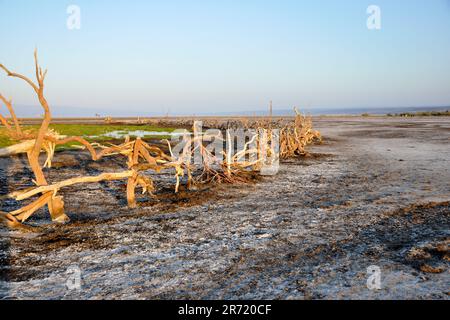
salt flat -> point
(374, 193)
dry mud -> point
(375, 193)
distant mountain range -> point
(339, 111)
(34, 111)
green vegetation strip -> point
(89, 130)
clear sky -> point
(215, 56)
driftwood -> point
(230, 168)
(32, 144)
(22, 147)
(53, 188)
(55, 206)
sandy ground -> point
(376, 193)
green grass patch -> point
(92, 132)
(98, 130)
(4, 139)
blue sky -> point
(193, 56)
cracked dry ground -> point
(375, 193)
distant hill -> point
(340, 111)
(57, 111)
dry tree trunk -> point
(22, 195)
(22, 147)
(133, 160)
(56, 204)
(47, 197)
(25, 212)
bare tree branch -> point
(8, 104)
(16, 75)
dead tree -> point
(295, 136)
(33, 143)
(140, 157)
(55, 203)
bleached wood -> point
(69, 182)
(22, 147)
